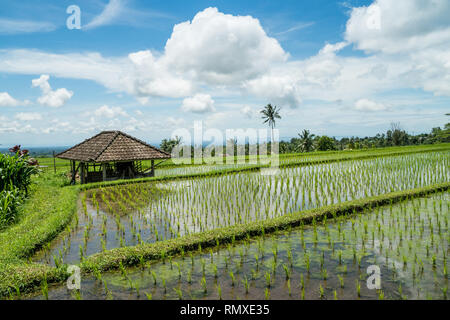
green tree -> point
(325, 143)
(270, 114)
(306, 141)
(443, 135)
(399, 137)
(167, 145)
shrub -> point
(9, 202)
(15, 177)
(16, 170)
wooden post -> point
(82, 173)
(54, 161)
(152, 173)
(104, 171)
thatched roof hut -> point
(111, 155)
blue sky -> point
(344, 68)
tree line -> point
(308, 142)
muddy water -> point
(407, 241)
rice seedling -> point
(288, 283)
(189, 277)
(268, 279)
(286, 271)
(44, 288)
(302, 282)
(321, 292)
(232, 277)
(358, 288)
(324, 274)
(179, 293)
(341, 281)
(267, 293)
(203, 283)
(245, 282)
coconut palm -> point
(270, 114)
(306, 141)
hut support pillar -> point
(72, 171)
(104, 171)
(82, 173)
(152, 172)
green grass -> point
(43, 216)
(48, 210)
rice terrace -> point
(290, 184)
(308, 232)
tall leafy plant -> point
(9, 203)
(16, 171)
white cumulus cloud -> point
(51, 98)
(109, 112)
(369, 105)
(399, 26)
(151, 77)
(199, 103)
(7, 101)
(222, 48)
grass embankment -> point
(43, 216)
(334, 157)
(48, 210)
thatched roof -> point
(110, 146)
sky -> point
(150, 68)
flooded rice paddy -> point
(407, 241)
(128, 215)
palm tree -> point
(306, 141)
(270, 113)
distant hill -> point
(39, 152)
